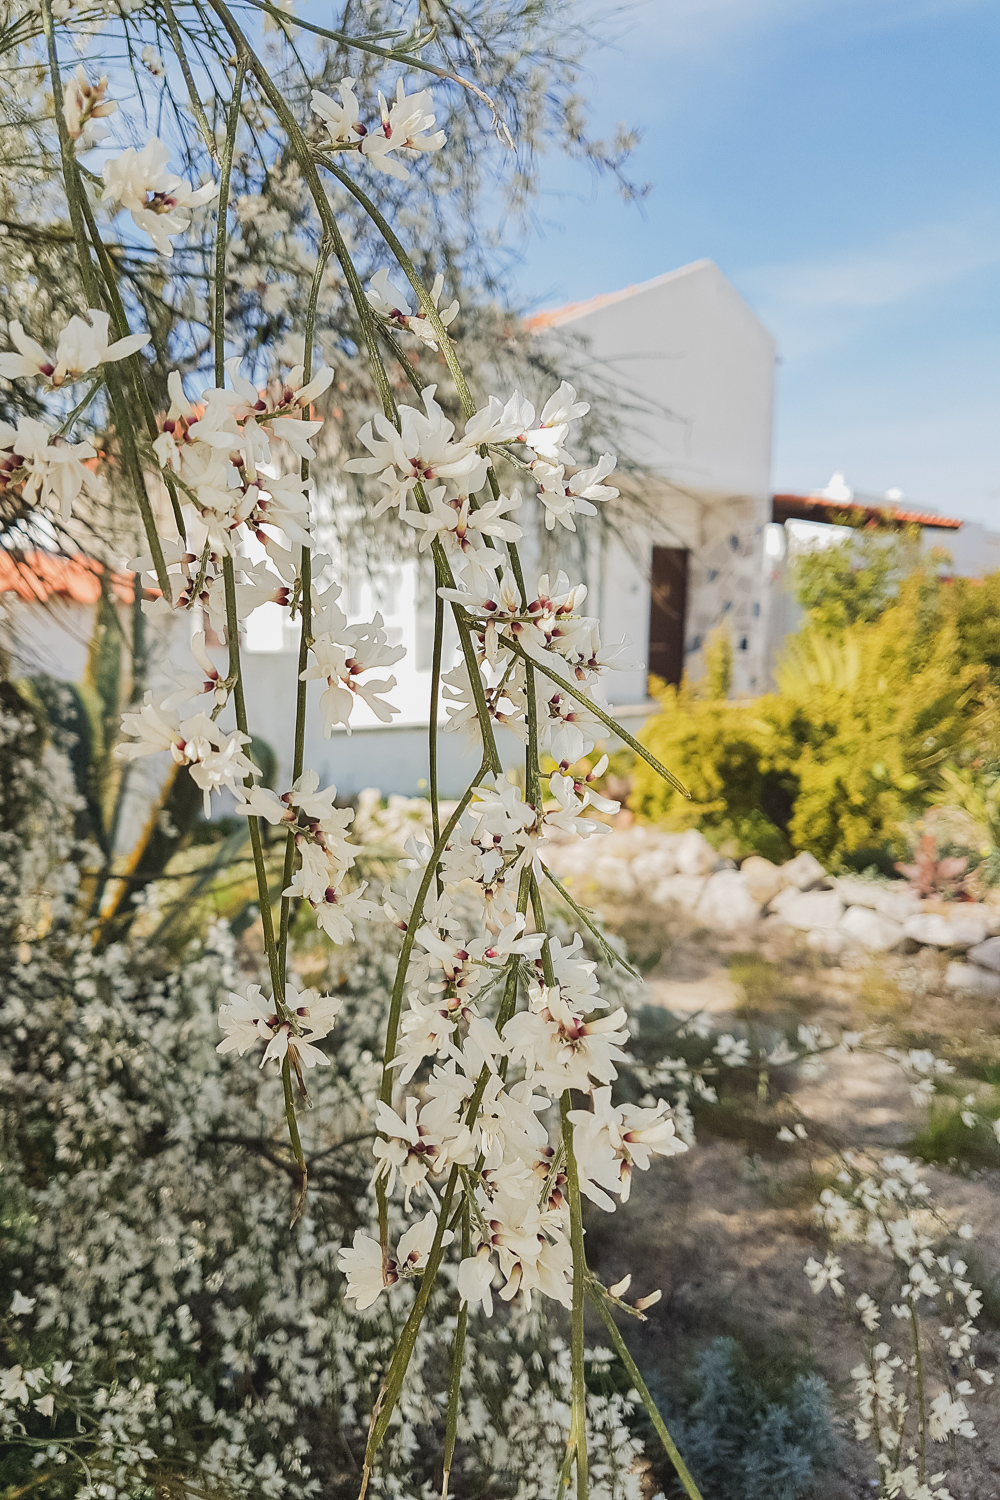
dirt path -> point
(725, 1230)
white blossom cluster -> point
(920, 1368)
(162, 1313)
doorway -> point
(668, 613)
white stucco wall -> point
(693, 370)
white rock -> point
(829, 940)
(803, 871)
(987, 955)
(653, 865)
(808, 909)
(964, 926)
(683, 891)
(854, 891)
(970, 979)
(898, 904)
(726, 903)
(869, 928)
(762, 878)
(694, 854)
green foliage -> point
(946, 1138)
(855, 581)
(847, 752)
(742, 1441)
(732, 762)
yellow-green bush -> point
(843, 755)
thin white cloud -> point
(816, 304)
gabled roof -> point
(37, 577)
(573, 310)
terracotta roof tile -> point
(37, 577)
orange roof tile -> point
(37, 577)
(874, 512)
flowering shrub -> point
(163, 1322)
(490, 1069)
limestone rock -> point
(803, 871)
(808, 909)
(897, 902)
(854, 891)
(762, 878)
(893, 899)
(694, 854)
(828, 940)
(987, 955)
(964, 926)
(653, 865)
(683, 891)
(869, 928)
(726, 903)
(970, 979)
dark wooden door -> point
(668, 612)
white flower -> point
(215, 759)
(52, 468)
(415, 1244)
(868, 1309)
(152, 61)
(45, 1404)
(253, 1017)
(84, 106)
(342, 662)
(160, 202)
(421, 450)
(949, 1417)
(22, 1304)
(403, 128)
(559, 411)
(475, 1280)
(82, 347)
(340, 120)
(560, 1049)
(828, 1273)
(13, 1386)
(390, 303)
(362, 1266)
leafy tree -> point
(856, 579)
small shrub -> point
(743, 1442)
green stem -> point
(305, 618)
(414, 278)
(921, 1394)
(260, 870)
(457, 1361)
(578, 1427)
(222, 236)
(408, 58)
(396, 1373)
(399, 982)
(621, 1349)
(133, 364)
(605, 719)
(432, 731)
(197, 108)
(610, 955)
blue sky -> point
(838, 159)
